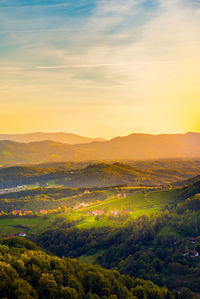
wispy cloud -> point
(78, 66)
(144, 54)
(5, 5)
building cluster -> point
(121, 195)
(96, 212)
(21, 234)
(13, 189)
(191, 253)
(82, 204)
(86, 191)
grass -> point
(90, 259)
(15, 225)
(137, 204)
(90, 221)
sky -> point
(100, 68)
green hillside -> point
(136, 203)
(95, 174)
(28, 272)
(190, 190)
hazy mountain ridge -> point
(132, 147)
(67, 138)
(146, 146)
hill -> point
(132, 147)
(28, 272)
(93, 175)
(154, 247)
(187, 182)
(145, 146)
(191, 190)
(67, 138)
(13, 153)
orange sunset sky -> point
(103, 69)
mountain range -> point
(67, 138)
(132, 147)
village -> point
(89, 209)
(77, 207)
(13, 189)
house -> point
(9, 236)
(114, 212)
(22, 234)
(194, 253)
(87, 191)
(27, 212)
(43, 212)
(192, 240)
(84, 204)
(121, 195)
(17, 212)
(78, 206)
(20, 187)
(97, 212)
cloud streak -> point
(78, 66)
(141, 55)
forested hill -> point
(28, 272)
(187, 182)
(190, 190)
(93, 175)
(132, 147)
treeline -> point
(28, 272)
(22, 175)
(93, 175)
(155, 247)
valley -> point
(116, 215)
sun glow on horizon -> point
(100, 69)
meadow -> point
(29, 224)
(130, 207)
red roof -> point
(17, 212)
(192, 239)
(194, 252)
(8, 236)
(97, 212)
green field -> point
(137, 205)
(18, 224)
(134, 204)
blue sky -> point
(84, 59)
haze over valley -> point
(132, 147)
(99, 149)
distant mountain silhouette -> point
(145, 146)
(67, 138)
(132, 147)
